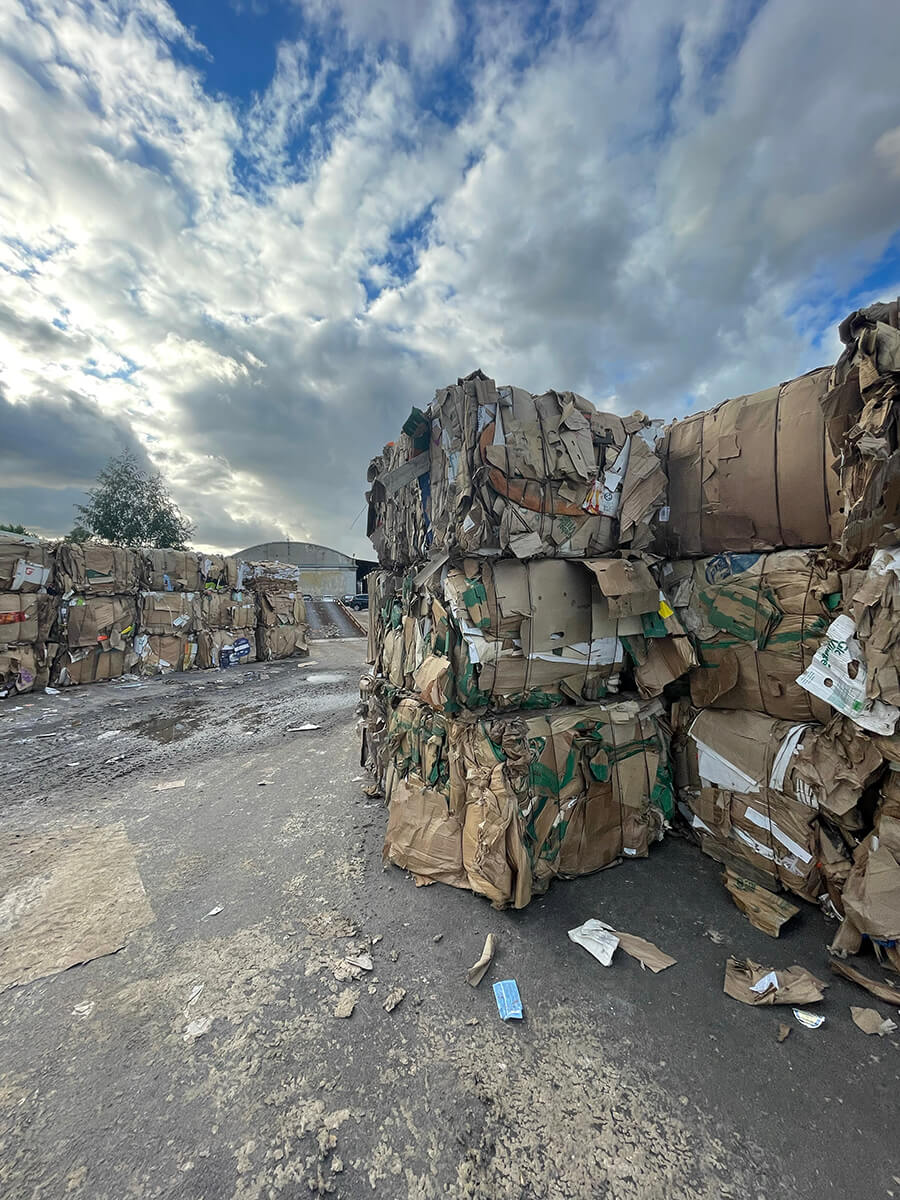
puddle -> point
(165, 729)
(325, 677)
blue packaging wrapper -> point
(509, 1002)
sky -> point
(243, 237)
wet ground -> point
(330, 618)
(618, 1083)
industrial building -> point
(323, 571)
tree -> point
(15, 529)
(132, 507)
(78, 533)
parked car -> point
(360, 602)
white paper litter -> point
(596, 939)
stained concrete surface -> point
(618, 1083)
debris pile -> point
(578, 638)
(76, 613)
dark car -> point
(360, 602)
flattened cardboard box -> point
(280, 641)
(228, 610)
(211, 642)
(106, 620)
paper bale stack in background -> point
(98, 612)
(27, 613)
(282, 630)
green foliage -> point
(131, 507)
(16, 529)
(78, 533)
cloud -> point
(655, 207)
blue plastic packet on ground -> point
(509, 1002)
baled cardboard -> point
(26, 563)
(170, 570)
(239, 644)
(107, 621)
(281, 641)
(228, 610)
(161, 654)
(18, 617)
(18, 669)
(94, 569)
(169, 613)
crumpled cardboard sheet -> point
(875, 607)
(92, 569)
(497, 470)
(506, 634)
(218, 572)
(752, 474)
(211, 642)
(26, 563)
(753, 984)
(271, 575)
(165, 570)
(66, 897)
(169, 613)
(18, 670)
(535, 796)
(862, 417)
(756, 621)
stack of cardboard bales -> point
(98, 612)
(281, 630)
(512, 715)
(26, 613)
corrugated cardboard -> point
(751, 983)
(160, 654)
(26, 563)
(228, 610)
(92, 569)
(95, 665)
(281, 641)
(218, 572)
(754, 473)
(18, 669)
(423, 836)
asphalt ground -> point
(617, 1083)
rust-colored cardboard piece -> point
(751, 983)
(762, 909)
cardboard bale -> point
(228, 610)
(171, 570)
(756, 621)
(281, 641)
(766, 785)
(26, 563)
(531, 796)
(269, 576)
(234, 646)
(218, 572)
(754, 473)
(92, 569)
(862, 417)
(875, 607)
(18, 617)
(96, 664)
(159, 654)
(18, 670)
(837, 674)
(490, 470)
(506, 634)
(169, 613)
(109, 621)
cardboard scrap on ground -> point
(751, 983)
(167, 787)
(763, 909)
(870, 1021)
(601, 940)
(477, 971)
(883, 991)
(67, 897)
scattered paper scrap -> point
(472, 1021)
(751, 983)
(51, 691)
(167, 787)
(213, 912)
(193, 997)
(346, 1003)
(763, 909)
(363, 961)
(477, 971)
(110, 733)
(808, 1019)
(882, 991)
(196, 1029)
(870, 1021)
(597, 939)
(783, 1032)
(394, 996)
(83, 1010)
(590, 935)
(509, 1002)
(304, 728)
